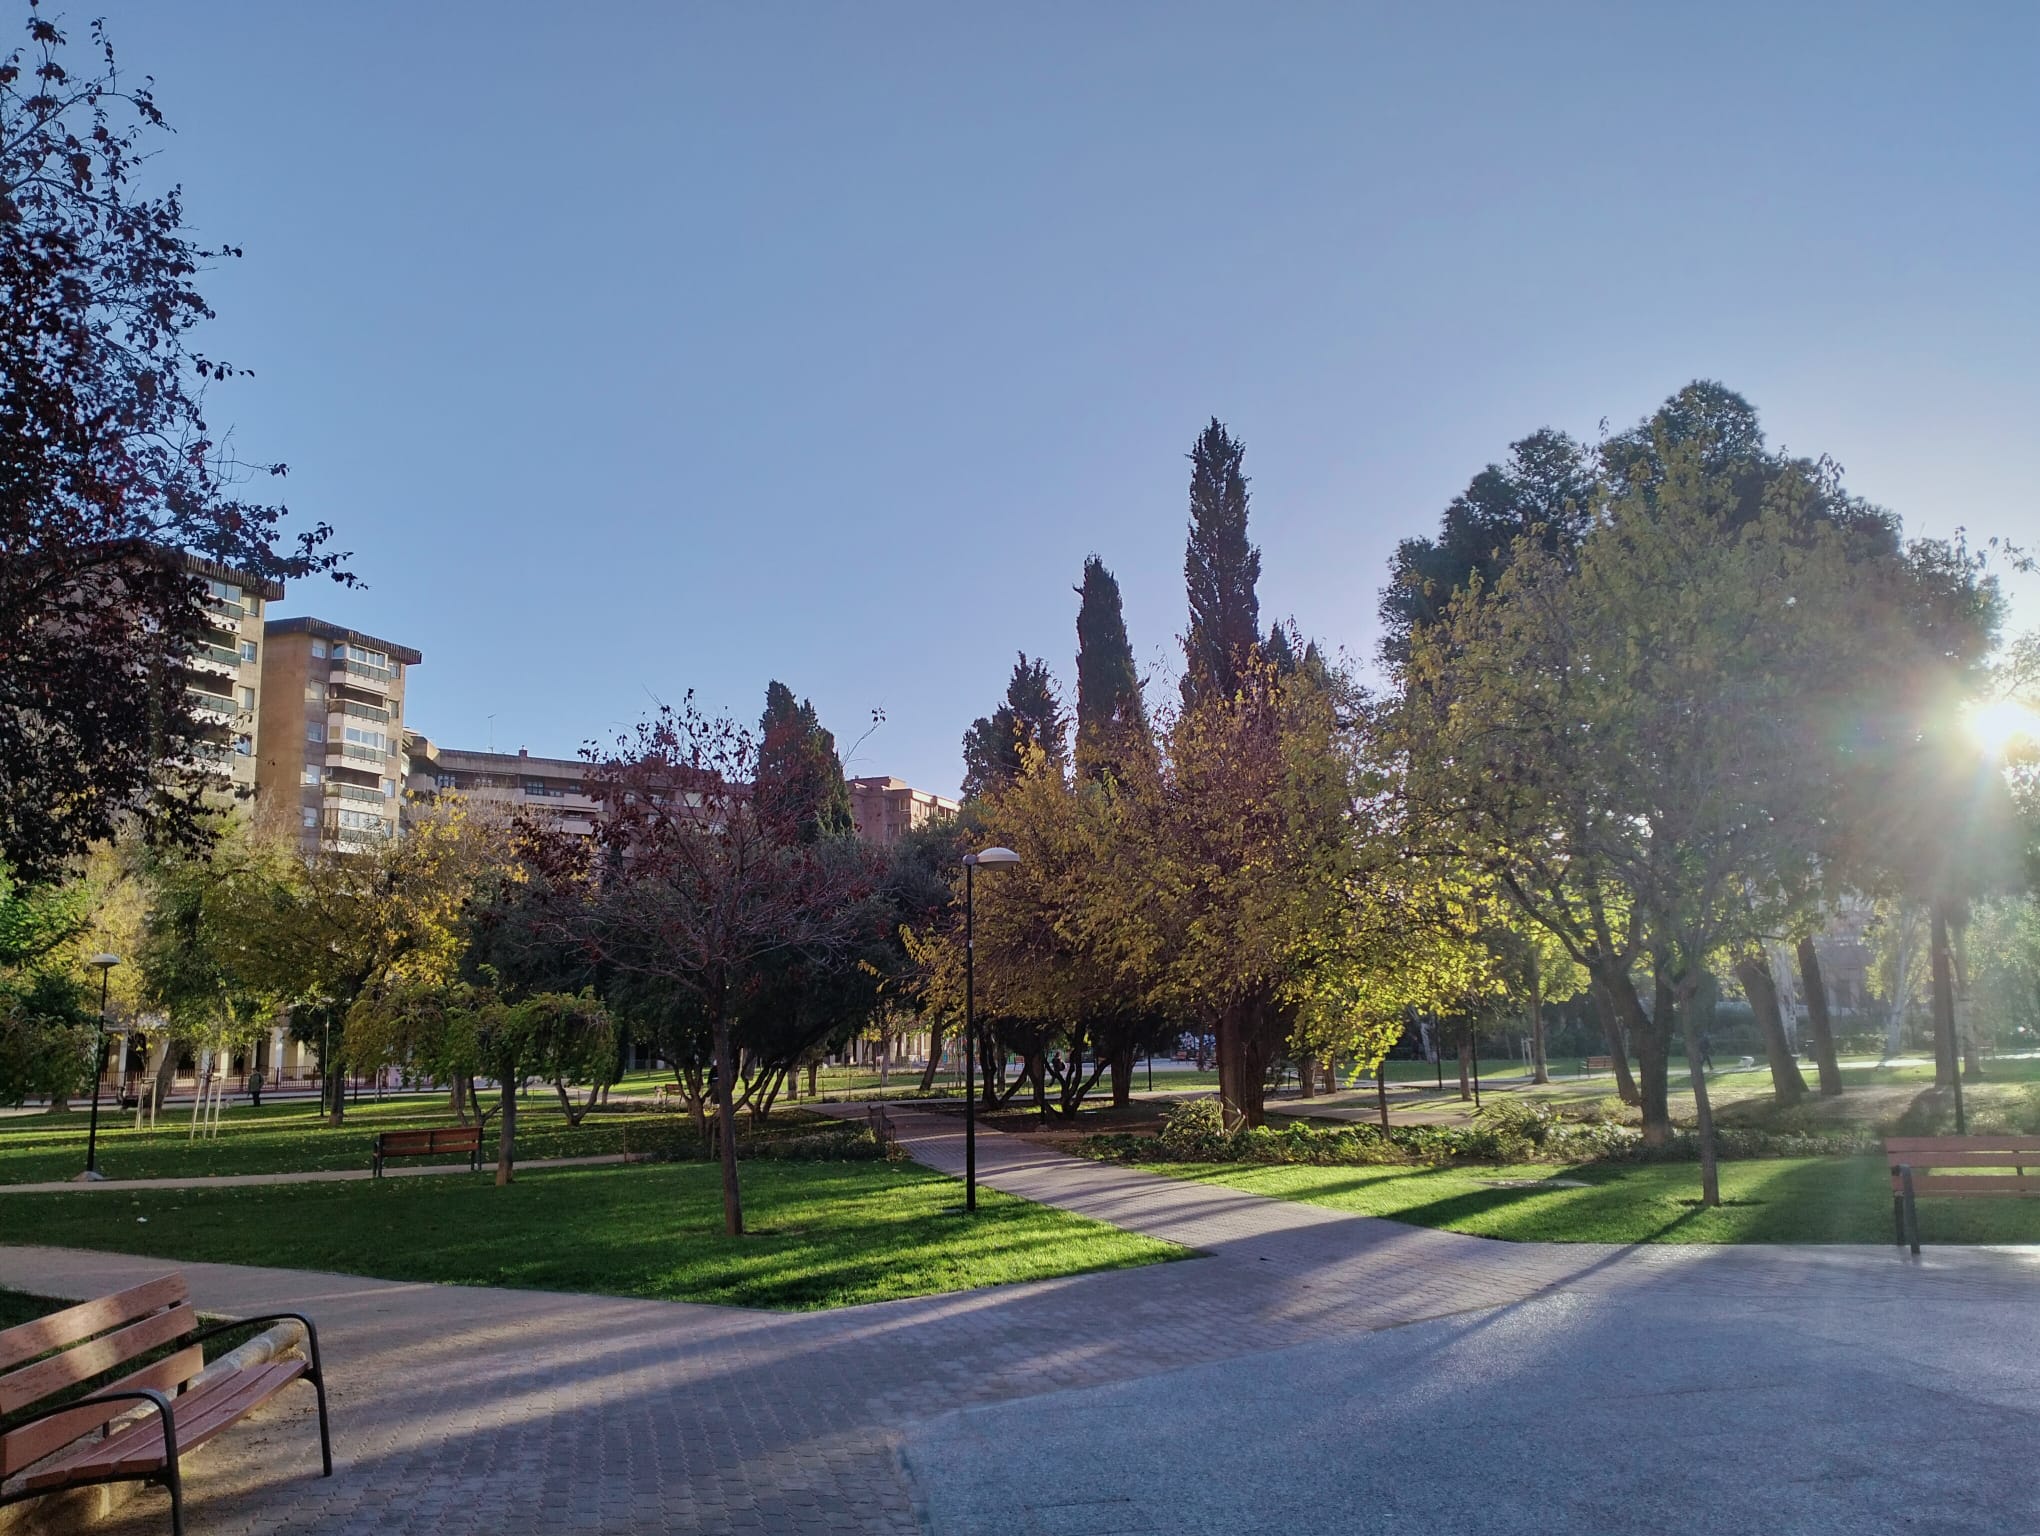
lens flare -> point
(2003, 724)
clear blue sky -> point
(636, 348)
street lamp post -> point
(990, 857)
(103, 964)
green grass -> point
(822, 1234)
(1781, 1200)
(286, 1138)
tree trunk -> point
(575, 1113)
(1818, 1022)
(506, 1131)
(1254, 1064)
(935, 1033)
(726, 1126)
(1609, 1014)
(1306, 1078)
(1703, 1108)
(1466, 1065)
(1653, 1056)
(1540, 1072)
(1381, 1092)
(1122, 1077)
(458, 1098)
(1226, 1034)
(1755, 975)
(1944, 1000)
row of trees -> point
(1655, 707)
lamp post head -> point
(103, 962)
(990, 857)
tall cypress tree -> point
(1221, 569)
(1111, 717)
(800, 778)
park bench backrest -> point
(52, 1354)
(434, 1140)
(2013, 1154)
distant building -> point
(330, 763)
(884, 810)
(223, 674)
(551, 787)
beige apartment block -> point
(513, 783)
(331, 763)
(223, 674)
(885, 809)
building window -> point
(315, 693)
(311, 816)
(247, 698)
(362, 737)
(315, 730)
(254, 606)
(318, 647)
(311, 773)
(389, 788)
(247, 650)
(244, 745)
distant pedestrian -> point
(1706, 1052)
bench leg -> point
(175, 1484)
(1912, 1214)
(1898, 1219)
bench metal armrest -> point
(311, 1332)
(166, 1415)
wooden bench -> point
(666, 1096)
(1597, 1064)
(105, 1437)
(2000, 1162)
(428, 1143)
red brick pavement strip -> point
(472, 1410)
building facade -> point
(223, 674)
(884, 809)
(515, 782)
(330, 763)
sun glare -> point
(2003, 724)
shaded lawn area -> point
(1772, 1200)
(822, 1234)
(288, 1138)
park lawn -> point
(284, 1138)
(1769, 1200)
(822, 1234)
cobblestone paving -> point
(471, 1410)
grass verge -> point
(822, 1234)
(1770, 1200)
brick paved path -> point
(296, 1176)
(494, 1412)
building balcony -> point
(359, 793)
(347, 754)
(213, 661)
(344, 710)
(210, 706)
(359, 674)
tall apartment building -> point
(885, 809)
(516, 782)
(223, 674)
(331, 760)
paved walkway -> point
(493, 1411)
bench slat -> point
(1972, 1184)
(81, 1362)
(1966, 1160)
(26, 1446)
(138, 1449)
(73, 1325)
(1897, 1144)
